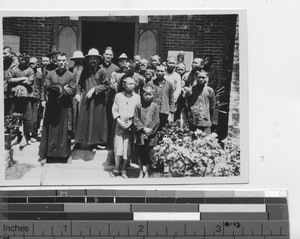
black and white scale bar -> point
(145, 228)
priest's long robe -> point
(92, 122)
(57, 127)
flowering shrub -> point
(12, 123)
(195, 154)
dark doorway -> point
(118, 35)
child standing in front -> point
(123, 110)
(201, 104)
(146, 122)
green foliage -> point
(195, 154)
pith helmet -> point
(77, 55)
(93, 52)
(123, 56)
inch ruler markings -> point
(144, 214)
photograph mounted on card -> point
(124, 98)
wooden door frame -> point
(65, 22)
(120, 19)
(126, 19)
(134, 19)
(147, 26)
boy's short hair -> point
(201, 73)
(125, 78)
(150, 68)
(148, 87)
(157, 57)
(181, 63)
(171, 57)
(160, 65)
(144, 61)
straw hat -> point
(77, 55)
(123, 56)
(93, 52)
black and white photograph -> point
(133, 97)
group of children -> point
(135, 117)
(138, 119)
(141, 99)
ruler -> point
(143, 214)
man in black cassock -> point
(59, 89)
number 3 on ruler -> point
(219, 228)
(65, 226)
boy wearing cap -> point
(122, 59)
(201, 104)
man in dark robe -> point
(92, 123)
(56, 133)
(109, 68)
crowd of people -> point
(96, 104)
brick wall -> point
(36, 33)
(202, 34)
